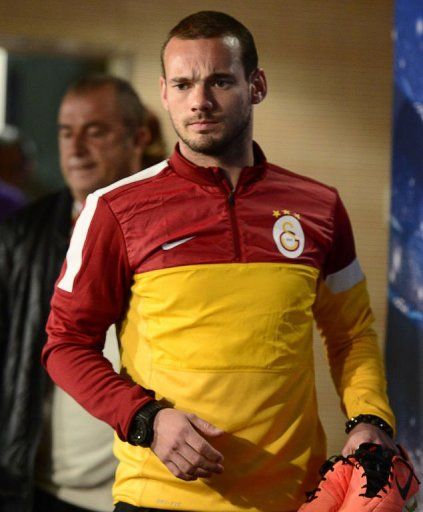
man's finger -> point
(347, 450)
(204, 448)
(183, 469)
(204, 426)
(177, 471)
(199, 461)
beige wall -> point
(327, 114)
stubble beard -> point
(211, 145)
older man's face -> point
(95, 146)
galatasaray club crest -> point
(288, 233)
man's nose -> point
(78, 144)
(202, 98)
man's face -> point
(95, 147)
(206, 93)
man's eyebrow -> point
(221, 75)
(179, 79)
(213, 76)
(64, 126)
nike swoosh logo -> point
(404, 490)
(172, 245)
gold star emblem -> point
(297, 215)
(276, 213)
(286, 212)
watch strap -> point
(371, 420)
(141, 431)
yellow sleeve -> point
(345, 320)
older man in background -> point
(53, 455)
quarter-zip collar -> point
(212, 176)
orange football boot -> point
(330, 493)
(381, 481)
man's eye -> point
(96, 132)
(222, 83)
(182, 86)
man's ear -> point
(258, 85)
(163, 92)
(142, 137)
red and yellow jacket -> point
(215, 293)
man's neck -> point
(231, 162)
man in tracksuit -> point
(214, 264)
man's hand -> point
(179, 443)
(367, 433)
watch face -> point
(142, 432)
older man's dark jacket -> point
(33, 245)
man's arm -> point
(92, 292)
(344, 317)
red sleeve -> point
(90, 295)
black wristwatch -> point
(141, 432)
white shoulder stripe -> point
(346, 278)
(74, 254)
(139, 176)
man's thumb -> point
(205, 427)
